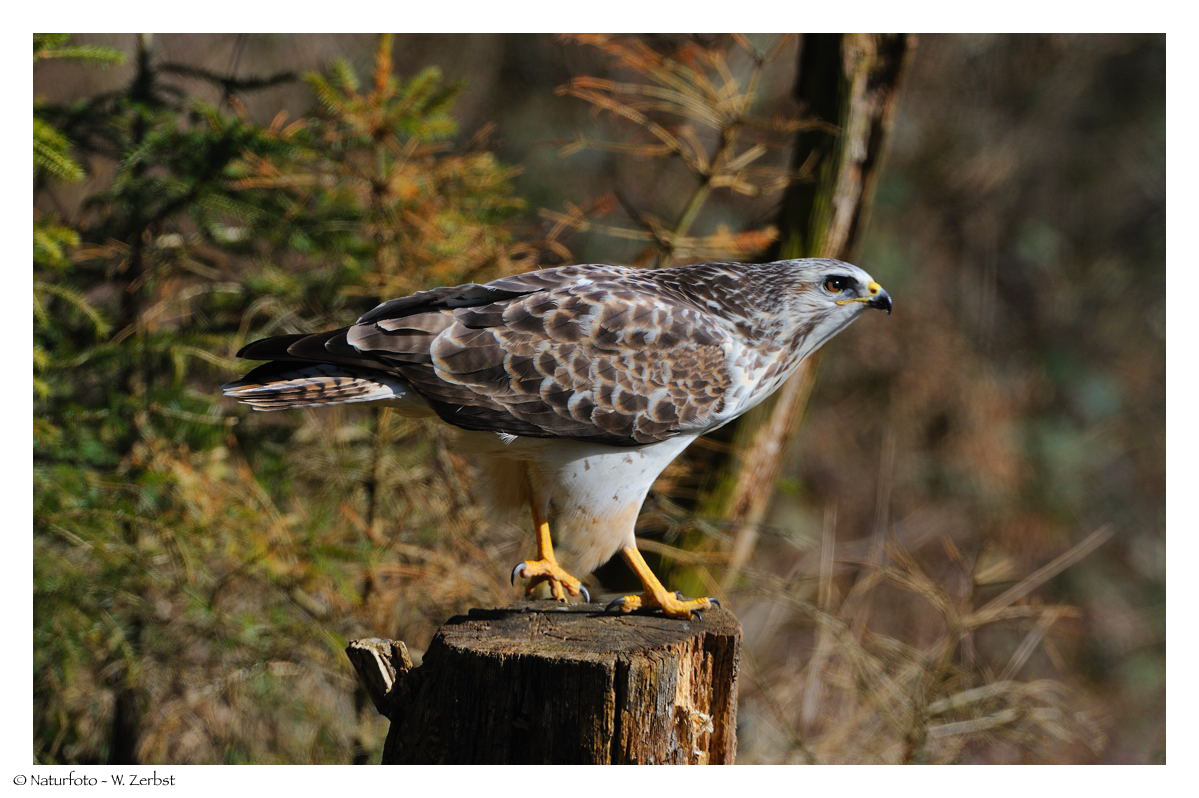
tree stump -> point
(541, 682)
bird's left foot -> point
(672, 605)
(548, 570)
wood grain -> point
(542, 683)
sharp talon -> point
(614, 604)
(696, 615)
(561, 583)
(715, 601)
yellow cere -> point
(873, 288)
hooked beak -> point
(879, 298)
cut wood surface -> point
(540, 682)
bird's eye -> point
(837, 284)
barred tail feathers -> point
(286, 385)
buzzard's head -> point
(821, 296)
(845, 285)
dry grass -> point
(886, 679)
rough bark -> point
(548, 684)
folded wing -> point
(584, 352)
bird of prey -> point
(577, 385)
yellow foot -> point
(561, 583)
(672, 605)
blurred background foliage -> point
(963, 559)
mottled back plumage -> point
(592, 352)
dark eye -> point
(836, 284)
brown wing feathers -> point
(570, 352)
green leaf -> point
(99, 323)
(84, 52)
(51, 243)
(51, 152)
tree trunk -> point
(852, 81)
(551, 684)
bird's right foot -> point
(561, 583)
